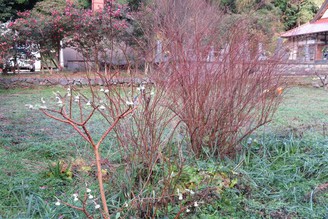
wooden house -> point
(309, 42)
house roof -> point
(308, 28)
(317, 25)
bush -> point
(221, 87)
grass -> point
(277, 177)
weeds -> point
(278, 176)
(283, 171)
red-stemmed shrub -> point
(220, 80)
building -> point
(309, 42)
(97, 5)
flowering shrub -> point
(7, 41)
(76, 110)
(43, 31)
(89, 31)
(79, 28)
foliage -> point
(296, 13)
(289, 13)
(7, 42)
(47, 7)
(135, 5)
(9, 8)
(85, 3)
(6, 10)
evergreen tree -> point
(9, 8)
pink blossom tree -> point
(93, 33)
(79, 28)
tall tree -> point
(6, 10)
(295, 13)
(9, 8)
(291, 12)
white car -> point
(22, 62)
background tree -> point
(134, 5)
(7, 42)
(9, 8)
(92, 34)
(43, 31)
(52, 21)
(295, 13)
(291, 13)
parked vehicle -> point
(21, 59)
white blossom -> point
(190, 191)
(102, 90)
(88, 190)
(88, 103)
(173, 174)
(179, 194)
(97, 206)
(90, 196)
(43, 107)
(106, 91)
(141, 88)
(57, 203)
(42, 100)
(129, 103)
(196, 204)
(59, 102)
(102, 107)
(187, 210)
(30, 106)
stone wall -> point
(287, 69)
(304, 68)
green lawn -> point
(278, 177)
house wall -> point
(307, 48)
(73, 60)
